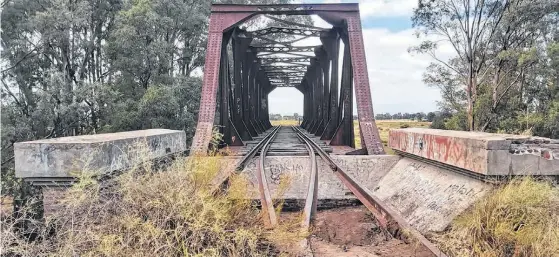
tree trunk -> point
(471, 93)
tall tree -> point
(496, 44)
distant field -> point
(383, 126)
(284, 122)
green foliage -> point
(458, 121)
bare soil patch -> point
(353, 231)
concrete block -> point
(479, 152)
(64, 157)
(499, 162)
(548, 167)
(526, 164)
(428, 197)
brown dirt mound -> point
(348, 226)
(353, 231)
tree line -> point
(503, 75)
(419, 116)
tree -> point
(468, 26)
(500, 56)
(430, 116)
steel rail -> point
(311, 200)
(389, 219)
(252, 152)
(265, 196)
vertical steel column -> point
(344, 133)
(239, 48)
(331, 43)
(370, 139)
(306, 99)
(218, 23)
(318, 92)
(247, 64)
(324, 76)
(265, 87)
(222, 92)
(253, 97)
(311, 80)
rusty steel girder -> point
(291, 31)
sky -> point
(395, 76)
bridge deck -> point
(285, 143)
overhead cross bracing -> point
(244, 65)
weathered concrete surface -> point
(429, 198)
(63, 157)
(366, 170)
(479, 152)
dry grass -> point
(285, 122)
(517, 219)
(146, 212)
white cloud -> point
(395, 76)
(384, 8)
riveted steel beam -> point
(268, 60)
(290, 31)
(288, 67)
(283, 49)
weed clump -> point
(149, 213)
(520, 218)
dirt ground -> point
(353, 232)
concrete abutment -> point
(426, 190)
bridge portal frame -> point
(345, 17)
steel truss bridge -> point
(242, 67)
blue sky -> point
(395, 75)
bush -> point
(519, 219)
(147, 213)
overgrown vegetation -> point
(144, 212)
(520, 218)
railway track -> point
(293, 139)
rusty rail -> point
(312, 191)
(387, 218)
(254, 150)
(265, 196)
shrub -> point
(520, 218)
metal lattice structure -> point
(237, 90)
